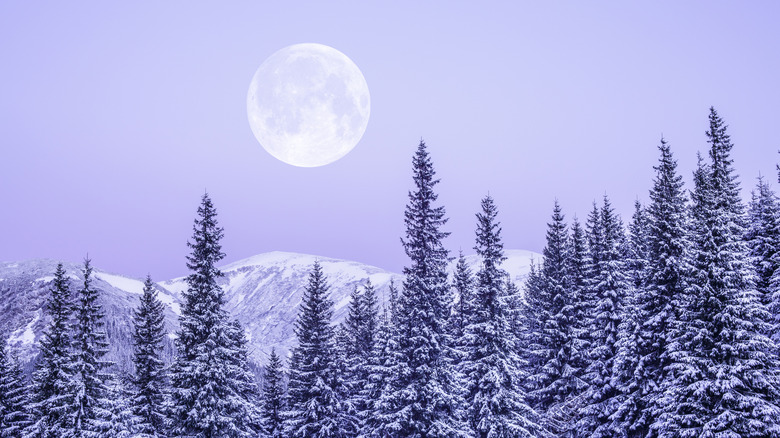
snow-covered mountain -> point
(24, 289)
(263, 292)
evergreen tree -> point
(637, 247)
(148, 399)
(273, 397)
(555, 378)
(360, 328)
(658, 266)
(370, 325)
(578, 260)
(242, 383)
(763, 238)
(314, 403)
(496, 402)
(422, 399)
(346, 373)
(122, 422)
(609, 285)
(462, 284)
(379, 380)
(13, 395)
(208, 387)
(90, 345)
(528, 328)
(774, 286)
(724, 384)
(393, 304)
(624, 368)
(52, 395)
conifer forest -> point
(664, 324)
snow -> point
(27, 336)
(123, 283)
(137, 287)
(169, 301)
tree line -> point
(666, 327)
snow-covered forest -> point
(667, 325)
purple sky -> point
(115, 116)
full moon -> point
(308, 105)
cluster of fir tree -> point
(207, 392)
(668, 328)
(435, 362)
(665, 329)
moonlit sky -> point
(116, 116)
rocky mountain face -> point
(262, 292)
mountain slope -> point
(24, 289)
(263, 292)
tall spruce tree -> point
(90, 345)
(14, 397)
(380, 378)
(462, 285)
(528, 327)
(637, 245)
(148, 398)
(207, 394)
(609, 285)
(555, 378)
(774, 285)
(724, 382)
(763, 238)
(242, 382)
(360, 328)
(660, 284)
(578, 259)
(52, 395)
(315, 407)
(630, 410)
(423, 398)
(495, 400)
(273, 397)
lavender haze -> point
(116, 116)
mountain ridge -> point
(262, 292)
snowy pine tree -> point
(208, 376)
(379, 375)
(273, 397)
(90, 391)
(659, 278)
(608, 286)
(555, 378)
(763, 238)
(148, 398)
(314, 404)
(495, 401)
(360, 328)
(462, 284)
(724, 384)
(422, 398)
(121, 421)
(52, 396)
(625, 366)
(637, 245)
(13, 395)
